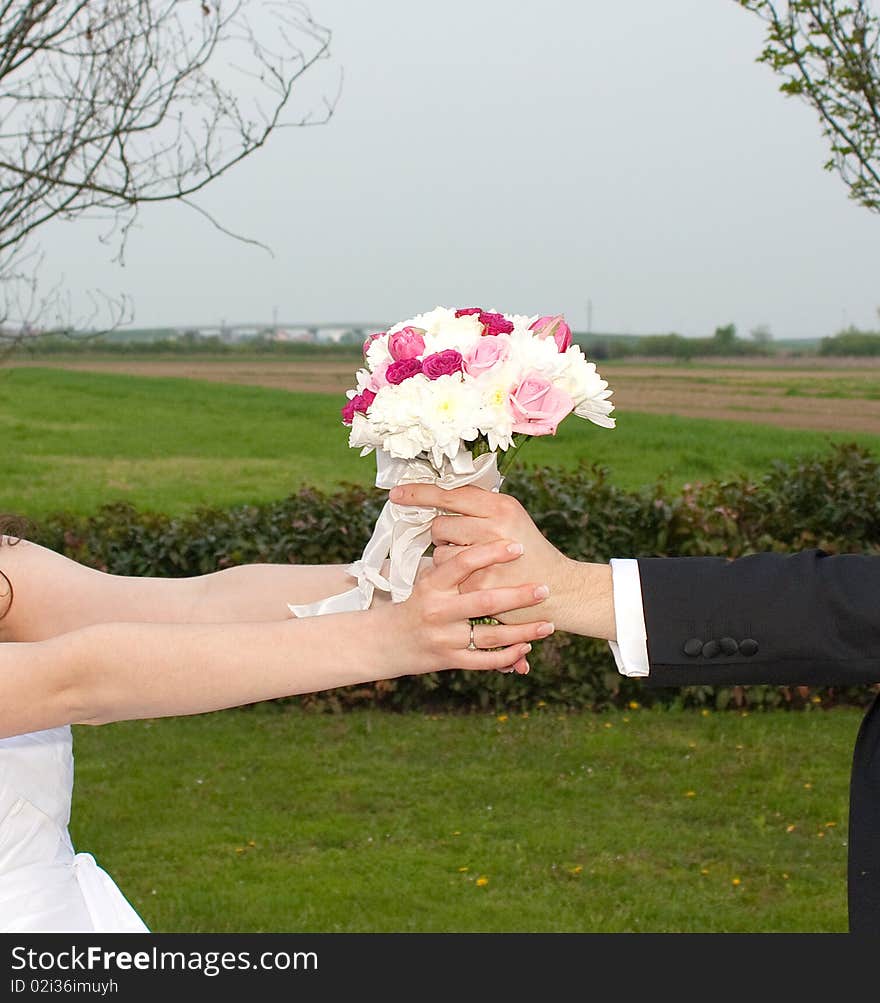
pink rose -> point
(442, 364)
(371, 339)
(378, 379)
(406, 343)
(357, 404)
(467, 313)
(487, 352)
(399, 371)
(538, 407)
(553, 327)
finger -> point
(504, 658)
(462, 530)
(492, 602)
(470, 559)
(465, 501)
(501, 636)
(521, 667)
(443, 554)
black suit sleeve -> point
(802, 619)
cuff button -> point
(749, 646)
(693, 646)
(728, 646)
(711, 649)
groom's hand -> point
(481, 517)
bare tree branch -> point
(111, 105)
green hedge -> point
(830, 501)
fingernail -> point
(515, 548)
(546, 629)
(542, 591)
(526, 648)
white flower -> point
(496, 418)
(597, 410)
(429, 321)
(378, 354)
(534, 354)
(362, 379)
(590, 393)
(520, 321)
(363, 434)
(451, 407)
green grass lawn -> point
(273, 820)
(73, 440)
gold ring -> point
(472, 646)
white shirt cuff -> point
(630, 650)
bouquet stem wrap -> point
(403, 532)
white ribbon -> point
(403, 531)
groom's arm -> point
(807, 618)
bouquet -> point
(449, 397)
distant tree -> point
(725, 337)
(851, 341)
(761, 335)
(106, 107)
(828, 52)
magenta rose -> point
(538, 407)
(555, 328)
(371, 339)
(487, 352)
(406, 343)
(495, 323)
(397, 372)
(442, 364)
(357, 405)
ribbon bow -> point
(403, 531)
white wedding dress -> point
(44, 886)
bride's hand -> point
(433, 625)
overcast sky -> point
(528, 158)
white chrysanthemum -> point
(451, 408)
(460, 333)
(426, 321)
(590, 393)
(496, 418)
(378, 354)
(395, 415)
(520, 321)
(363, 435)
(534, 354)
(597, 410)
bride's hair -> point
(11, 529)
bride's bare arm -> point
(54, 595)
(117, 671)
